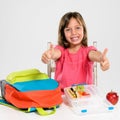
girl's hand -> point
(104, 64)
(47, 55)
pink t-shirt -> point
(74, 68)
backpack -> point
(30, 91)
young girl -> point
(74, 58)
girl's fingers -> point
(104, 53)
(51, 49)
(47, 55)
(104, 61)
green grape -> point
(80, 88)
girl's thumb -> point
(104, 53)
(51, 49)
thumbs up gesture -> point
(104, 62)
(47, 55)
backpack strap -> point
(2, 86)
(44, 112)
(5, 103)
(41, 111)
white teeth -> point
(75, 38)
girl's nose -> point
(73, 31)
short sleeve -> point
(62, 49)
(59, 47)
(89, 49)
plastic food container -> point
(87, 99)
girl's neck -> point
(74, 48)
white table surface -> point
(63, 112)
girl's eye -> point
(67, 29)
(78, 27)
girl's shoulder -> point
(88, 48)
(61, 48)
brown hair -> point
(64, 23)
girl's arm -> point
(100, 57)
(51, 54)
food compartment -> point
(85, 99)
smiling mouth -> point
(74, 39)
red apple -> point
(112, 97)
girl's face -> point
(74, 32)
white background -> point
(27, 25)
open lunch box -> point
(87, 99)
